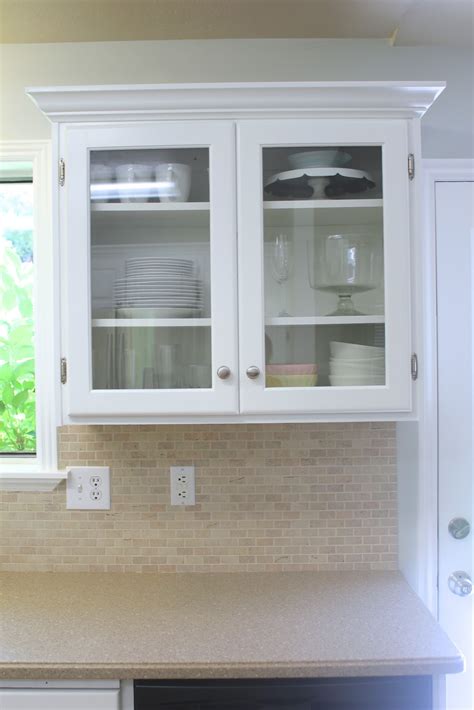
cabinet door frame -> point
(76, 141)
(392, 135)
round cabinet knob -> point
(253, 372)
(223, 372)
(459, 528)
(460, 583)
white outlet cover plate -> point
(182, 485)
(88, 488)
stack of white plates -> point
(352, 364)
(158, 287)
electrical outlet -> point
(88, 488)
(183, 486)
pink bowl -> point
(292, 369)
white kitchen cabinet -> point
(59, 695)
(176, 203)
(45, 699)
(66, 694)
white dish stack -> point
(352, 364)
(158, 287)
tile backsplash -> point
(269, 497)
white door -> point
(455, 266)
(324, 267)
(149, 235)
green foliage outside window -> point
(17, 365)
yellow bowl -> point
(291, 380)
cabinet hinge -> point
(63, 370)
(414, 366)
(62, 172)
(411, 166)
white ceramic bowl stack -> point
(158, 287)
(351, 364)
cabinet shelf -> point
(149, 206)
(150, 214)
(308, 213)
(325, 320)
(150, 322)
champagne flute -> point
(281, 258)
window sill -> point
(29, 478)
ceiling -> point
(404, 22)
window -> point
(29, 341)
(17, 365)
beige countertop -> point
(295, 624)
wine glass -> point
(281, 258)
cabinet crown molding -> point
(115, 102)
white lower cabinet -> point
(236, 251)
(55, 699)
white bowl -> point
(322, 158)
(336, 368)
(101, 172)
(352, 351)
(355, 361)
(356, 380)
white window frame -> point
(40, 473)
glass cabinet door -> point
(324, 230)
(151, 230)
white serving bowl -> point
(101, 172)
(357, 361)
(127, 175)
(352, 351)
(322, 158)
(370, 375)
(337, 368)
(356, 380)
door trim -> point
(434, 170)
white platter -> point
(159, 301)
(153, 283)
(155, 297)
(164, 267)
(318, 172)
(165, 279)
(319, 158)
(163, 293)
(151, 300)
(158, 270)
(152, 312)
(162, 260)
(158, 273)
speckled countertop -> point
(301, 624)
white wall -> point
(447, 128)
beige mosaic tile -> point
(269, 497)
